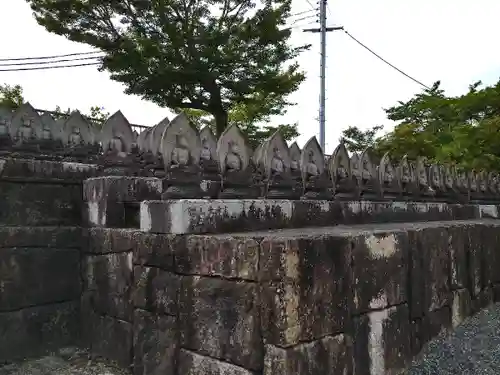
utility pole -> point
(322, 67)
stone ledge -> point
(197, 216)
(45, 170)
(122, 189)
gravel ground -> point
(68, 361)
(473, 348)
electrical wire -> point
(48, 57)
(48, 67)
(385, 61)
(51, 62)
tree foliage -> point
(204, 55)
(462, 130)
(11, 96)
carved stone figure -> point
(475, 194)
(180, 148)
(390, 187)
(436, 180)
(4, 130)
(340, 173)
(210, 178)
(368, 180)
(273, 161)
(26, 132)
(407, 179)
(316, 183)
(75, 138)
(235, 167)
(424, 187)
(46, 132)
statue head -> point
(277, 153)
(233, 147)
(181, 141)
(204, 143)
(310, 156)
(76, 130)
(26, 122)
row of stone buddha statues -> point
(195, 164)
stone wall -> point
(360, 298)
(40, 251)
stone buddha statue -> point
(277, 165)
(46, 133)
(116, 143)
(312, 169)
(366, 173)
(75, 138)
(233, 158)
(181, 156)
(388, 175)
(405, 173)
(342, 171)
(205, 150)
(25, 131)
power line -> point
(49, 67)
(50, 62)
(385, 61)
(48, 57)
(310, 4)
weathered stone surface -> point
(36, 330)
(33, 276)
(474, 251)
(429, 326)
(220, 319)
(461, 307)
(310, 294)
(382, 341)
(213, 215)
(122, 189)
(156, 290)
(25, 204)
(109, 240)
(50, 237)
(194, 364)
(430, 270)
(112, 339)
(44, 170)
(224, 256)
(331, 355)
(307, 213)
(380, 269)
(109, 279)
(488, 211)
(155, 344)
(457, 239)
(156, 249)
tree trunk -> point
(220, 121)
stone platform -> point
(185, 216)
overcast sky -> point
(455, 41)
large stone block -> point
(475, 258)
(109, 240)
(306, 290)
(331, 355)
(50, 237)
(45, 170)
(198, 216)
(382, 341)
(429, 326)
(155, 344)
(380, 269)
(111, 339)
(430, 270)
(36, 330)
(220, 319)
(122, 189)
(222, 255)
(34, 276)
(156, 290)
(307, 213)
(194, 364)
(157, 250)
(28, 204)
(109, 279)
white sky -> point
(455, 41)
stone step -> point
(199, 216)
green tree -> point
(464, 129)
(11, 96)
(357, 140)
(248, 119)
(207, 55)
